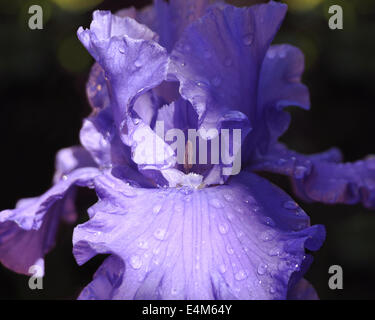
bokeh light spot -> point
(72, 56)
(77, 5)
(303, 5)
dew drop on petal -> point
(229, 249)
(274, 252)
(290, 205)
(228, 197)
(267, 236)
(269, 222)
(248, 39)
(240, 275)
(138, 63)
(160, 234)
(143, 244)
(156, 209)
(262, 269)
(222, 268)
(223, 228)
(136, 262)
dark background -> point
(43, 102)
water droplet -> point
(229, 249)
(121, 50)
(138, 63)
(216, 81)
(290, 205)
(160, 234)
(299, 172)
(248, 39)
(135, 262)
(274, 252)
(183, 64)
(222, 268)
(272, 290)
(64, 177)
(230, 216)
(267, 236)
(156, 209)
(240, 275)
(239, 234)
(239, 209)
(249, 200)
(223, 228)
(228, 197)
(143, 244)
(216, 203)
(202, 84)
(269, 222)
(262, 269)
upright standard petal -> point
(219, 57)
(238, 241)
(133, 64)
(28, 232)
(279, 87)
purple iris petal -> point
(280, 86)
(171, 230)
(28, 232)
(209, 59)
(237, 241)
(324, 177)
(133, 64)
(169, 20)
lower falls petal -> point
(28, 232)
(245, 240)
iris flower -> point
(187, 230)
